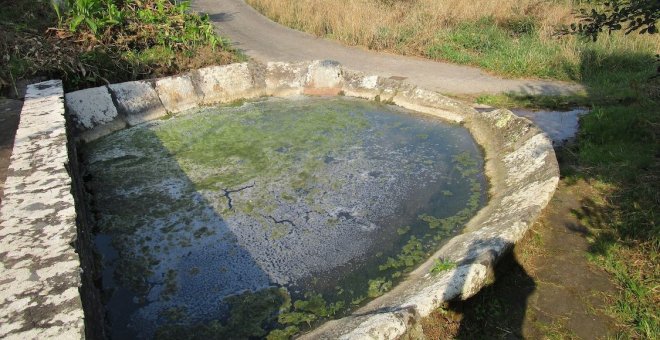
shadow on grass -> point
(618, 153)
(498, 310)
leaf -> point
(92, 25)
(76, 22)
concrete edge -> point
(520, 164)
(39, 264)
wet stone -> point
(213, 222)
(560, 126)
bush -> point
(94, 42)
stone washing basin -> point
(520, 165)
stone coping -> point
(39, 264)
(520, 164)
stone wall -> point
(520, 164)
(39, 267)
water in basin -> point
(213, 222)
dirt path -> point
(10, 111)
(546, 289)
(265, 40)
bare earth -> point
(264, 40)
(545, 289)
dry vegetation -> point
(511, 37)
(362, 22)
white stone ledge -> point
(39, 267)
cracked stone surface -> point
(39, 267)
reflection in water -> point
(560, 126)
(331, 199)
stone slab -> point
(177, 93)
(93, 112)
(224, 84)
(284, 79)
(138, 101)
(39, 266)
(324, 77)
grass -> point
(617, 153)
(92, 42)
(512, 38)
(617, 150)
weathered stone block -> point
(357, 84)
(324, 77)
(223, 84)
(138, 101)
(93, 112)
(284, 79)
(177, 93)
(431, 102)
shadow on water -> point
(173, 244)
(146, 266)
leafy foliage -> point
(630, 15)
(92, 42)
(140, 24)
(378, 287)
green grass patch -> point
(617, 152)
(514, 51)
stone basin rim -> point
(520, 165)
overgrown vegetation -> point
(636, 15)
(93, 42)
(440, 266)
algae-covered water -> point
(266, 218)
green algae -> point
(235, 150)
(283, 334)
(416, 250)
(247, 145)
(378, 287)
(411, 254)
(250, 316)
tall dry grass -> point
(511, 37)
(383, 24)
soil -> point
(545, 288)
(9, 115)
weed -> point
(92, 42)
(378, 287)
(440, 265)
